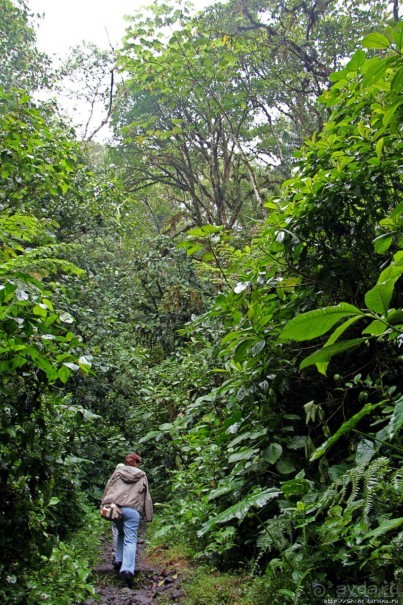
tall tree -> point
(185, 124)
(289, 48)
(86, 88)
(215, 104)
(21, 64)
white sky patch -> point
(67, 22)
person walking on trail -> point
(128, 489)
(115, 534)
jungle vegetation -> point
(217, 286)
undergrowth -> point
(206, 586)
(202, 583)
(63, 577)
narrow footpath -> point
(156, 580)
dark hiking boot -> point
(127, 577)
(117, 565)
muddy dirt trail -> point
(154, 583)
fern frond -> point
(356, 474)
(397, 482)
(276, 534)
(328, 498)
(345, 482)
(373, 477)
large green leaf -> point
(384, 527)
(297, 442)
(227, 486)
(315, 323)
(345, 428)
(322, 366)
(397, 35)
(295, 487)
(273, 453)
(285, 467)
(242, 348)
(378, 298)
(389, 114)
(396, 420)
(356, 61)
(374, 70)
(375, 328)
(244, 454)
(365, 451)
(395, 316)
(241, 509)
(383, 242)
(204, 230)
(375, 41)
(249, 435)
(325, 354)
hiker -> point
(128, 489)
(115, 532)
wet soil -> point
(156, 580)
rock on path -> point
(150, 585)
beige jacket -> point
(128, 486)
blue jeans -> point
(126, 546)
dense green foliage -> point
(206, 111)
(39, 426)
(172, 293)
(330, 236)
(21, 64)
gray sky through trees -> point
(67, 22)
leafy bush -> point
(64, 576)
(310, 465)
